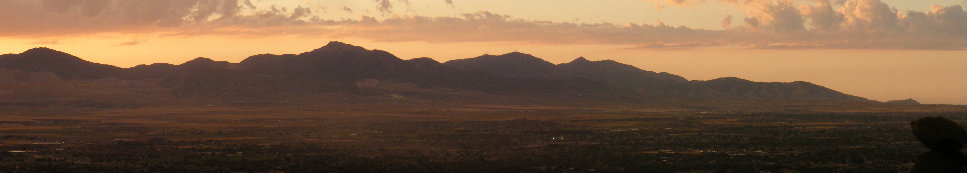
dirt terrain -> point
(381, 136)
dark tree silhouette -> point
(945, 139)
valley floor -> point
(455, 138)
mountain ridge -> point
(338, 67)
(65, 65)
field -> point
(415, 137)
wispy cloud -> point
(46, 42)
(491, 27)
(130, 43)
(67, 17)
(386, 6)
(788, 24)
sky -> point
(877, 49)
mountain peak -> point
(904, 102)
(729, 79)
(339, 47)
(203, 59)
(199, 60)
(519, 54)
(425, 60)
(336, 43)
(40, 49)
(511, 65)
(202, 62)
(518, 58)
(44, 52)
(508, 58)
(580, 60)
(64, 65)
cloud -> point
(386, 7)
(766, 15)
(870, 16)
(769, 24)
(347, 9)
(751, 22)
(300, 12)
(130, 43)
(675, 46)
(783, 18)
(46, 42)
(940, 22)
(785, 27)
(821, 16)
(491, 27)
(29, 18)
(683, 2)
(852, 24)
(449, 2)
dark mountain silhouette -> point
(510, 65)
(343, 63)
(153, 71)
(202, 63)
(64, 65)
(626, 77)
(736, 88)
(520, 65)
(343, 68)
(634, 82)
(613, 71)
(335, 67)
(904, 102)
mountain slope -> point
(623, 76)
(343, 68)
(736, 88)
(62, 64)
(343, 63)
(510, 65)
(630, 81)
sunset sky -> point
(882, 50)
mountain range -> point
(352, 70)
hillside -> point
(64, 65)
(348, 70)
